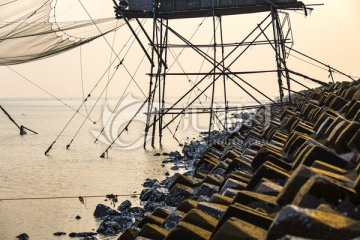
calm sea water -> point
(25, 171)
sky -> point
(330, 34)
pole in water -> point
(154, 130)
(21, 128)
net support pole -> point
(214, 70)
(148, 115)
(224, 77)
(154, 129)
(282, 52)
(277, 53)
(21, 128)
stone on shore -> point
(124, 205)
(23, 236)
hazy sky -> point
(331, 34)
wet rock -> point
(145, 194)
(172, 220)
(138, 212)
(178, 194)
(168, 181)
(151, 206)
(175, 155)
(82, 234)
(175, 168)
(113, 225)
(159, 194)
(151, 182)
(23, 236)
(59, 233)
(124, 205)
(102, 211)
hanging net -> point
(29, 31)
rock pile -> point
(294, 176)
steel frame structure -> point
(220, 67)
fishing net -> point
(29, 31)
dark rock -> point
(178, 194)
(175, 168)
(166, 161)
(172, 220)
(102, 211)
(124, 205)
(159, 194)
(111, 228)
(167, 174)
(175, 154)
(157, 154)
(77, 217)
(59, 233)
(23, 236)
(145, 194)
(82, 234)
(151, 182)
(138, 212)
(165, 154)
(151, 206)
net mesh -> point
(29, 31)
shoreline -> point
(261, 181)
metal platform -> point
(218, 11)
